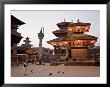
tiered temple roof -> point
(15, 36)
(27, 41)
(69, 31)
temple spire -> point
(78, 20)
(43, 29)
(64, 20)
(72, 20)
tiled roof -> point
(60, 31)
(72, 24)
(75, 37)
(79, 24)
(80, 37)
(56, 40)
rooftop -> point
(78, 23)
(80, 37)
(60, 31)
(15, 20)
(75, 37)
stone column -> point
(55, 50)
(66, 52)
(69, 53)
(40, 48)
(40, 35)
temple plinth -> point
(71, 42)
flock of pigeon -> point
(49, 73)
(52, 73)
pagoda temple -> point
(72, 43)
(25, 51)
(15, 37)
(26, 44)
(21, 49)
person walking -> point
(25, 68)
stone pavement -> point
(34, 70)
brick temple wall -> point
(79, 54)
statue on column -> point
(41, 35)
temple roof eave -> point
(60, 31)
(69, 40)
(79, 24)
(25, 45)
(75, 38)
(15, 20)
(72, 24)
(52, 41)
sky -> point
(48, 19)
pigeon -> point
(58, 71)
(50, 74)
(25, 74)
(31, 71)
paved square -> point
(34, 70)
